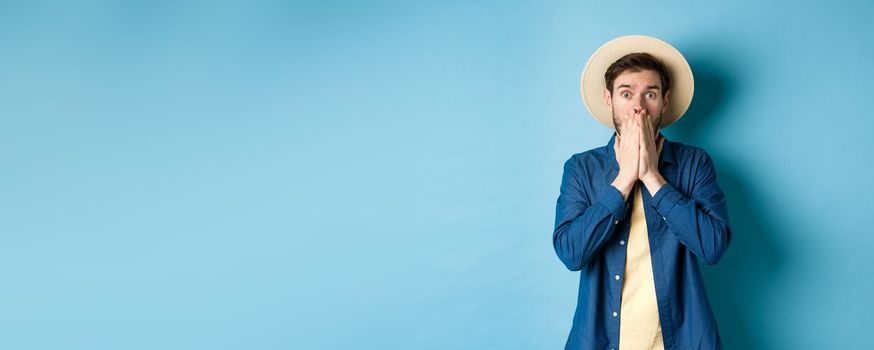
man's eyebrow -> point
(650, 87)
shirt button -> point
(663, 218)
(616, 222)
(616, 277)
(622, 242)
(615, 314)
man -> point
(640, 284)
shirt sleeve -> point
(699, 222)
(581, 225)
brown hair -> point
(637, 62)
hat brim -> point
(592, 82)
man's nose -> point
(638, 104)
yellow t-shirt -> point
(639, 326)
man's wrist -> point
(623, 186)
(653, 182)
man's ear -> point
(667, 101)
(608, 99)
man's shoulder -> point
(594, 154)
(588, 161)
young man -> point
(636, 216)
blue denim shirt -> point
(687, 221)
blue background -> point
(383, 175)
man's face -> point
(635, 91)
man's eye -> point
(625, 94)
(651, 95)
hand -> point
(627, 149)
(650, 150)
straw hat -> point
(592, 82)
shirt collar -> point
(667, 154)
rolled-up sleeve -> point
(700, 222)
(581, 225)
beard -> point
(617, 125)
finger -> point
(645, 138)
(647, 130)
(641, 121)
(639, 130)
(647, 123)
(640, 135)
